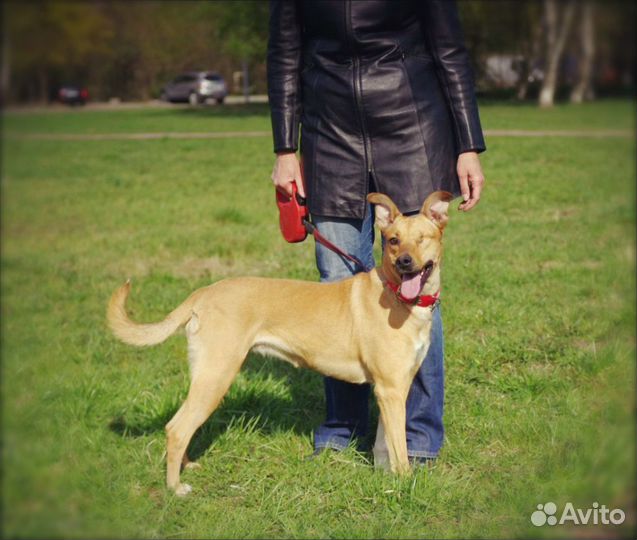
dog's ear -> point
(386, 210)
(436, 207)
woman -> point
(383, 93)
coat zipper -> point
(358, 93)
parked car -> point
(72, 94)
(195, 87)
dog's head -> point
(413, 244)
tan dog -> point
(357, 330)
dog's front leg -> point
(392, 403)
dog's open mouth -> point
(413, 282)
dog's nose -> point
(404, 261)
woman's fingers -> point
(471, 180)
(287, 171)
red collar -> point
(426, 300)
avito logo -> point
(546, 514)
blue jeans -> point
(347, 404)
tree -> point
(6, 64)
(531, 47)
(130, 49)
(52, 40)
(583, 89)
(558, 17)
(243, 32)
(503, 29)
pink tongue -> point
(410, 286)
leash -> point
(295, 224)
(427, 300)
(311, 229)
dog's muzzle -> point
(412, 282)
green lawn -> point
(606, 114)
(539, 309)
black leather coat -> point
(384, 93)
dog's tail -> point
(144, 334)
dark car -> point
(195, 87)
(72, 94)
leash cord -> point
(311, 229)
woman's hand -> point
(287, 169)
(471, 179)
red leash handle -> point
(292, 212)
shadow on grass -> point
(249, 406)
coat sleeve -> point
(283, 72)
(443, 31)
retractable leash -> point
(311, 228)
(295, 224)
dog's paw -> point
(183, 490)
(192, 465)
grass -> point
(539, 312)
(604, 114)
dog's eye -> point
(394, 241)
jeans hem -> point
(422, 453)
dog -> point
(371, 328)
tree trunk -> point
(246, 81)
(557, 28)
(43, 83)
(6, 68)
(533, 52)
(583, 89)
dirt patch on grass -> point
(210, 266)
(555, 265)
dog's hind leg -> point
(212, 375)
(186, 463)
(381, 454)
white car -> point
(195, 87)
